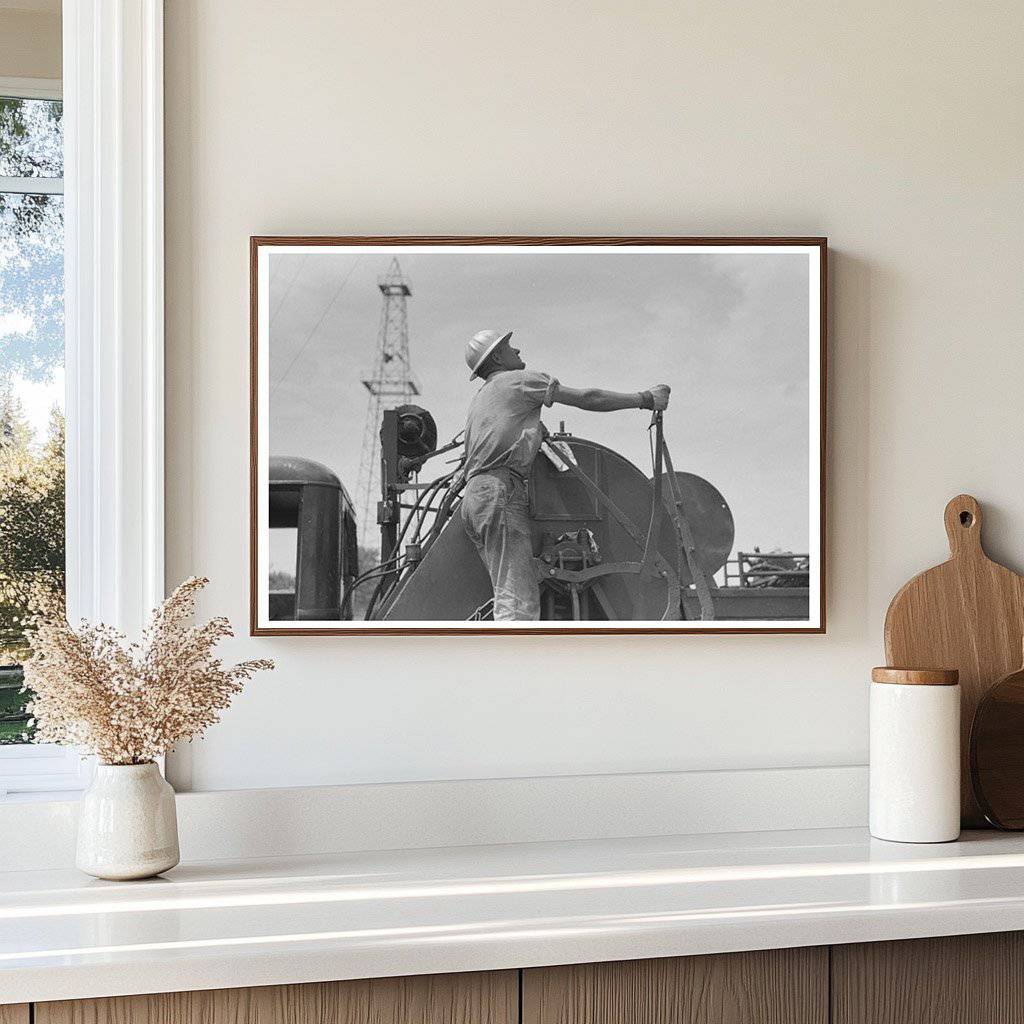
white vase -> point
(127, 825)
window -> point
(31, 405)
(108, 186)
(31, 381)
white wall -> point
(895, 129)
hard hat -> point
(481, 345)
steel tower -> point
(390, 384)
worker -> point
(503, 436)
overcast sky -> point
(728, 332)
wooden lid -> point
(916, 676)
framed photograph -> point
(537, 435)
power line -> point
(315, 328)
(287, 291)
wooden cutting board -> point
(997, 752)
(967, 614)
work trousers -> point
(495, 513)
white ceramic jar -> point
(127, 824)
(915, 755)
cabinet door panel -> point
(14, 1013)
(960, 979)
(778, 986)
(479, 998)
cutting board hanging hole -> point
(963, 526)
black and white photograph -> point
(537, 435)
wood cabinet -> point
(962, 979)
(777, 986)
(968, 979)
(479, 998)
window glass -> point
(31, 387)
(31, 138)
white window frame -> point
(31, 88)
(114, 328)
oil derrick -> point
(390, 384)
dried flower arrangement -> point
(129, 703)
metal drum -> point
(710, 519)
(589, 542)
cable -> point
(428, 493)
(376, 574)
(371, 607)
(423, 505)
(377, 568)
(655, 472)
(287, 291)
(316, 327)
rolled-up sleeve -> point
(539, 388)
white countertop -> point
(272, 921)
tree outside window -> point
(31, 386)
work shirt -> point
(503, 423)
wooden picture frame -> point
(771, 568)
